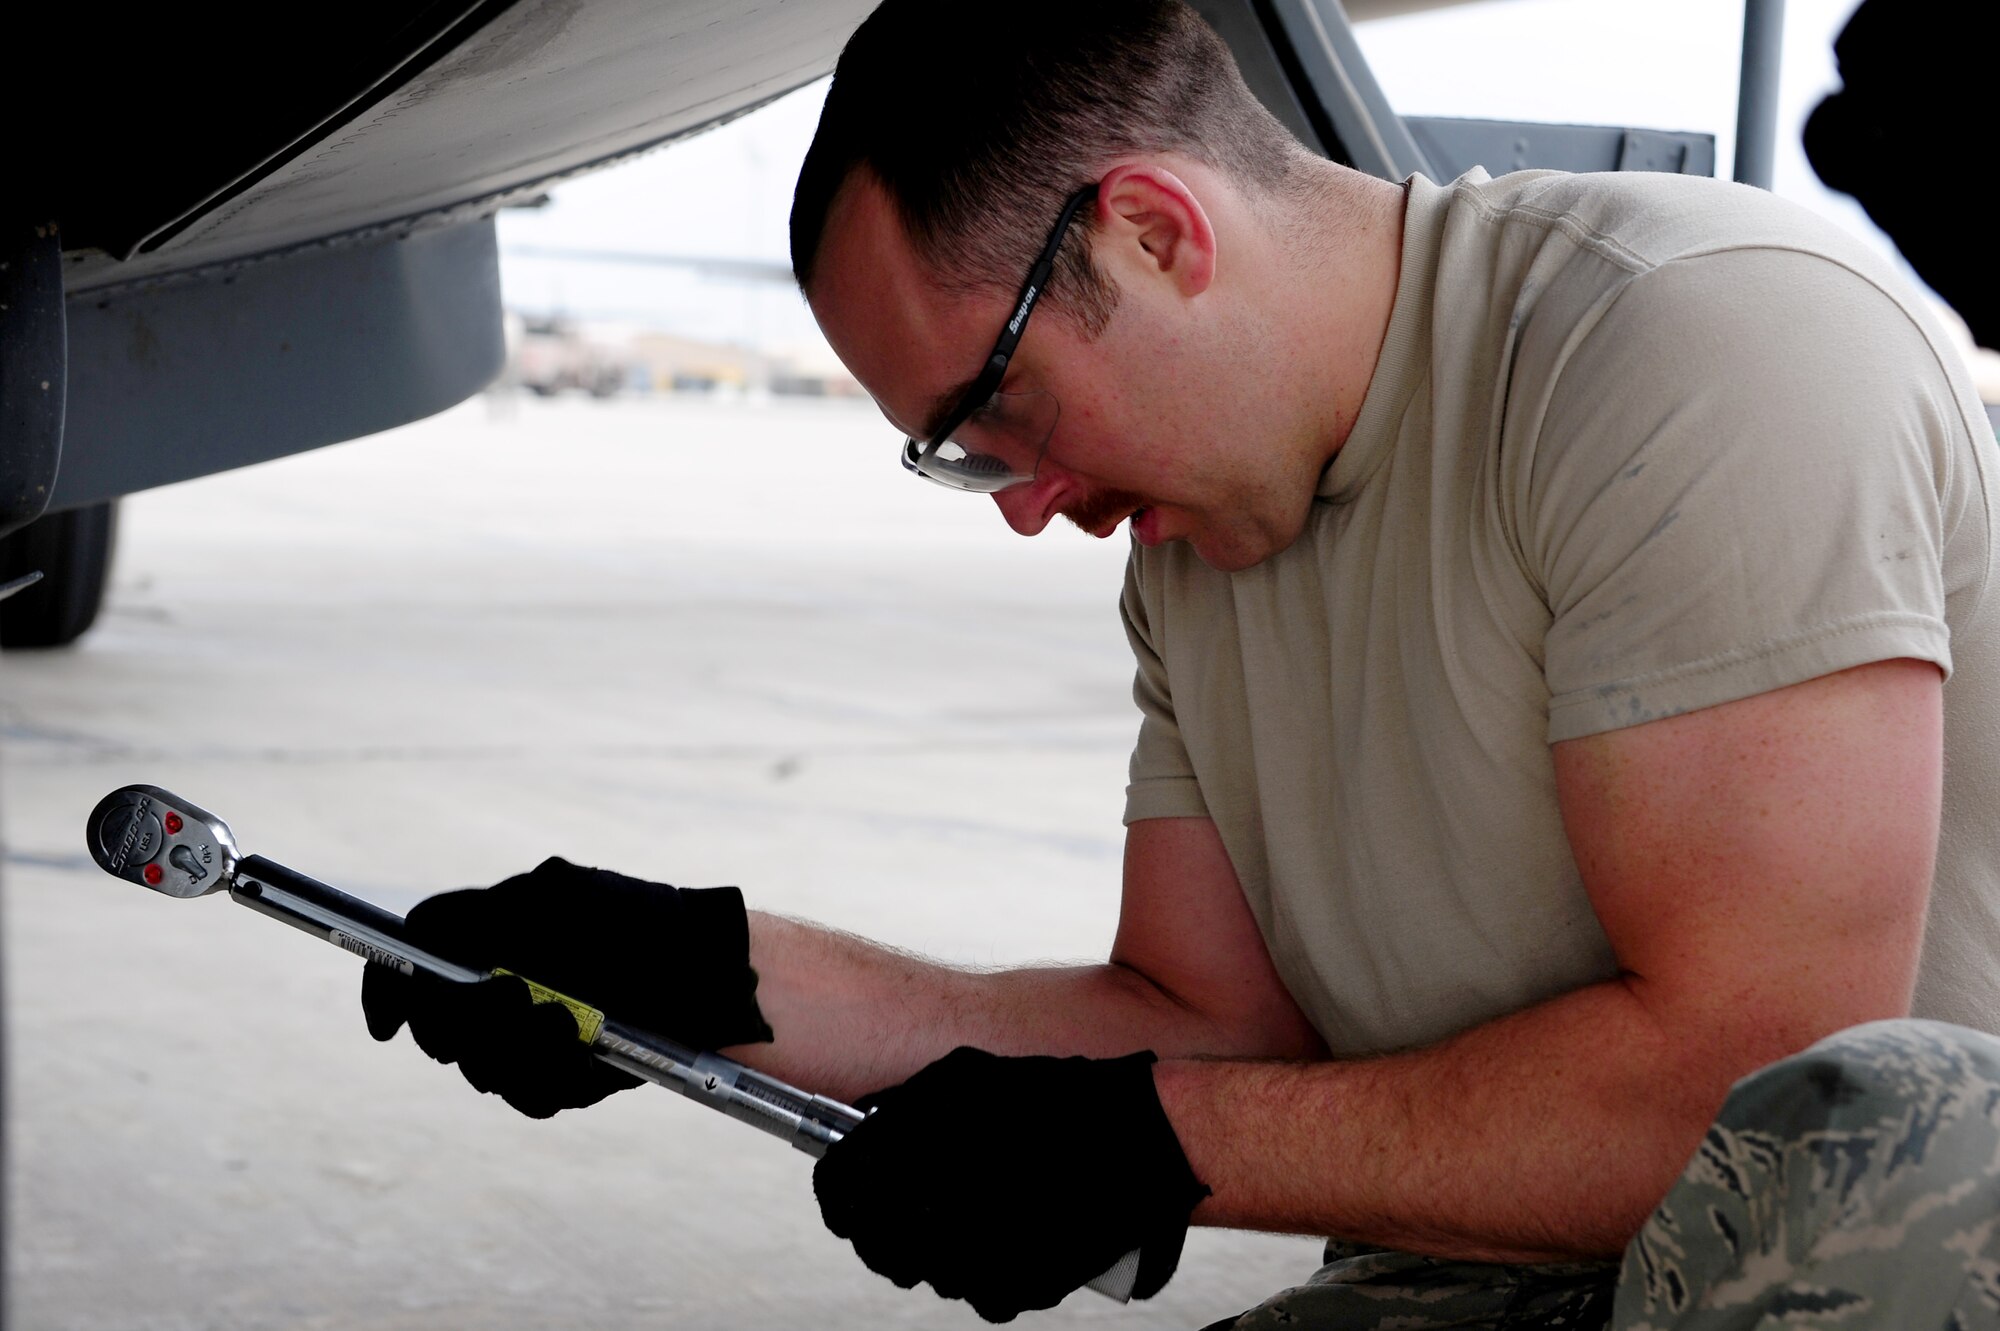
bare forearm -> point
(1547, 1135)
(852, 1016)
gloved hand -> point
(1010, 1182)
(670, 960)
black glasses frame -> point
(995, 369)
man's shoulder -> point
(1640, 220)
(1545, 265)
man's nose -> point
(1029, 508)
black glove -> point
(1010, 1182)
(674, 961)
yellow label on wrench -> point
(589, 1021)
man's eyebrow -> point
(942, 404)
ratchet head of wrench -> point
(160, 841)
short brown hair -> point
(981, 120)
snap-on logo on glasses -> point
(1027, 299)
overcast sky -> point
(1665, 64)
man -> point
(1561, 619)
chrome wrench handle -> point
(148, 836)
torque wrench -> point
(162, 842)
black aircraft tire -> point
(72, 549)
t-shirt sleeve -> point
(1737, 487)
(1162, 781)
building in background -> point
(548, 354)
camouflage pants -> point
(1853, 1187)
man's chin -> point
(1232, 552)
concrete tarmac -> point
(699, 642)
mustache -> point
(1096, 510)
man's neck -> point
(1336, 294)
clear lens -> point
(998, 446)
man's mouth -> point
(1109, 527)
(1100, 514)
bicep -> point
(1762, 867)
(1185, 928)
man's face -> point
(1145, 430)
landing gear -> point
(72, 550)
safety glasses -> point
(993, 440)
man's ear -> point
(1148, 218)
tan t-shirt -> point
(1637, 445)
